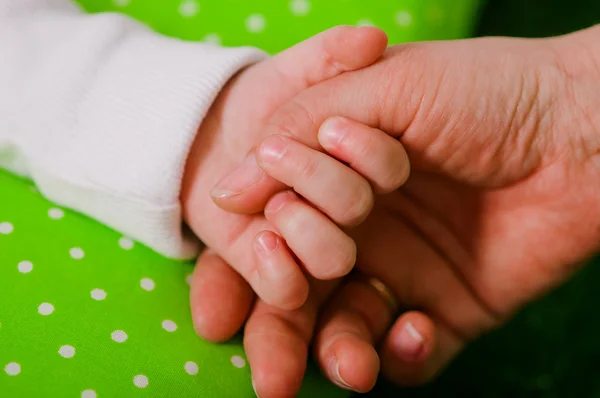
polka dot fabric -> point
(275, 25)
(85, 312)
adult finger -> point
(417, 348)
(220, 298)
(352, 323)
(276, 344)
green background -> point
(430, 19)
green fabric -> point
(86, 312)
(275, 25)
(66, 281)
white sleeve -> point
(101, 113)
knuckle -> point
(360, 204)
(415, 60)
(388, 164)
(365, 144)
(393, 178)
(343, 258)
(306, 166)
(291, 298)
(294, 120)
(332, 63)
(392, 182)
(293, 222)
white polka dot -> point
(126, 243)
(6, 228)
(403, 18)
(76, 253)
(67, 351)
(140, 381)
(188, 8)
(12, 369)
(25, 267)
(188, 279)
(119, 336)
(365, 22)
(238, 361)
(255, 23)
(300, 7)
(56, 214)
(169, 326)
(212, 38)
(88, 394)
(45, 309)
(98, 294)
(121, 3)
(191, 368)
(147, 284)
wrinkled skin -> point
(502, 205)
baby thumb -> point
(246, 189)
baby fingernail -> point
(410, 342)
(239, 180)
(332, 132)
(267, 242)
(334, 371)
(272, 149)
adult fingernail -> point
(267, 242)
(272, 149)
(332, 132)
(410, 342)
(334, 371)
(246, 175)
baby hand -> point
(233, 127)
(332, 194)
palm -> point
(470, 256)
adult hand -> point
(502, 205)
